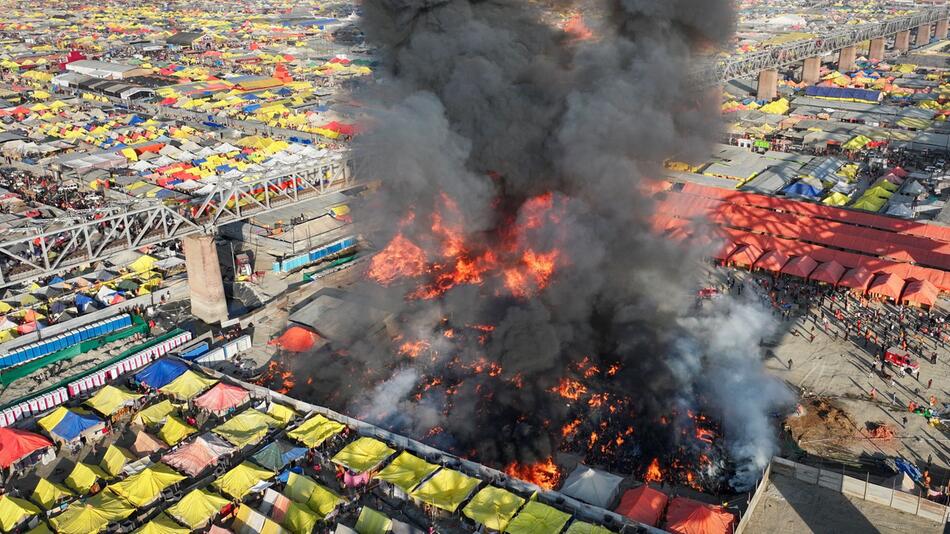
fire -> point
(569, 389)
(274, 372)
(570, 428)
(400, 259)
(653, 474)
(533, 273)
(545, 473)
(597, 400)
(413, 349)
(704, 434)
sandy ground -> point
(790, 506)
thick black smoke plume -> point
(487, 104)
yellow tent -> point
(49, 422)
(314, 431)
(14, 511)
(836, 199)
(363, 455)
(49, 494)
(447, 489)
(304, 490)
(155, 413)
(188, 386)
(279, 412)
(238, 481)
(147, 485)
(174, 430)
(538, 518)
(249, 520)
(299, 519)
(114, 460)
(92, 516)
(493, 507)
(779, 107)
(162, 524)
(857, 143)
(580, 527)
(372, 522)
(406, 471)
(111, 399)
(143, 263)
(246, 427)
(84, 476)
(197, 508)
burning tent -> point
(296, 339)
(686, 516)
(643, 504)
(592, 486)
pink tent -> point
(222, 397)
(198, 455)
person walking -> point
(789, 364)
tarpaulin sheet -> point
(372, 522)
(147, 485)
(281, 413)
(447, 489)
(155, 413)
(146, 444)
(48, 494)
(68, 425)
(315, 431)
(493, 507)
(111, 399)
(222, 397)
(198, 455)
(238, 481)
(304, 490)
(643, 504)
(114, 460)
(363, 455)
(246, 427)
(14, 511)
(197, 508)
(296, 339)
(406, 471)
(538, 518)
(94, 515)
(299, 519)
(162, 524)
(161, 373)
(580, 527)
(84, 476)
(686, 516)
(249, 521)
(16, 444)
(174, 430)
(278, 454)
(188, 385)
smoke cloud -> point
(483, 106)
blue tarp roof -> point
(847, 93)
(802, 189)
(74, 424)
(161, 373)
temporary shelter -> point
(198, 455)
(249, 426)
(16, 444)
(66, 425)
(856, 278)
(304, 490)
(93, 515)
(296, 517)
(686, 516)
(372, 522)
(406, 471)
(277, 454)
(222, 397)
(800, 266)
(592, 486)
(297, 339)
(144, 487)
(174, 430)
(745, 256)
(363, 455)
(887, 285)
(14, 512)
(580, 527)
(162, 524)
(538, 518)
(283, 414)
(111, 399)
(247, 520)
(314, 431)
(493, 507)
(155, 413)
(146, 444)
(114, 459)
(197, 508)
(772, 261)
(828, 272)
(643, 504)
(446, 489)
(84, 476)
(161, 373)
(239, 481)
(49, 494)
(188, 385)
(920, 293)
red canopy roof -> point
(686, 516)
(643, 504)
(828, 272)
(746, 255)
(887, 285)
(800, 266)
(18, 444)
(856, 278)
(723, 252)
(296, 339)
(772, 260)
(920, 292)
(222, 397)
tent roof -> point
(800, 266)
(643, 504)
(14, 511)
(188, 385)
(856, 278)
(772, 260)
(363, 455)
(887, 285)
(299, 519)
(161, 373)
(686, 516)
(162, 524)
(580, 527)
(246, 427)
(592, 486)
(146, 444)
(281, 413)
(277, 454)
(297, 339)
(493, 507)
(238, 481)
(304, 490)
(68, 425)
(114, 459)
(155, 413)
(372, 522)
(538, 518)
(93, 515)
(197, 507)
(110, 399)
(315, 431)
(447, 489)
(147, 485)
(828, 272)
(174, 430)
(222, 397)
(746, 255)
(47, 493)
(84, 476)
(16, 444)
(406, 471)
(920, 292)
(196, 456)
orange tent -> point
(772, 260)
(829, 272)
(745, 256)
(920, 293)
(296, 339)
(800, 266)
(887, 285)
(856, 278)
(643, 504)
(724, 251)
(686, 516)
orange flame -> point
(413, 349)
(569, 389)
(653, 474)
(545, 473)
(400, 259)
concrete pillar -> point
(923, 35)
(811, 70)
(846, 59)
(902, 41)
(876, 50)
(768, 84)
(940, 30)
(204, 279)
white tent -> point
(592, 486)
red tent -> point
(800, 266)
(745, 256)
(920, 293)
(772, 260)
(18, 444)
(686, 516)
(887, 285)
(724, 251)
(829, 272)
(296, 339)
(856, 278)
(222, 397)
(643, 504)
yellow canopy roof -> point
(304, 490)
(249, 520)
(144, 262)
(147, 485)
(197, 508)
(406, 471)
(538, 518)
(48, 494)
(835, 199)
(14, 511)
(372, 522)
(447, 489)
(238, 481)
(187, 386)
(49, 422)
(115, 459)
(362, 455)
(580, 527)
(246, 427)
(83, 476)
(110, 399)
(92, 516)
(41, 528)
(299, 519)
(281, 413)
(155, 413)
(315, 431)
(162, 524)
(493, 507)
(174, 430)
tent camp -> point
(277, 454)
(197, 508)
(200, 454)
(686, 516)
(592, 486)
(66, 425)
(161, 373)
(643, 504)
(222, 398)
(16, 444)
(144, 487)
(538, 518)
(406, 471)
(493, 507)
(363, 455)
(242, 479)
(446, 489)
(314, 431)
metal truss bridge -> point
(776, 57)
(70, 242)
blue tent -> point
(161, 373)
(845, 93)
(136, 120)
(74, 424)
(803, 189)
